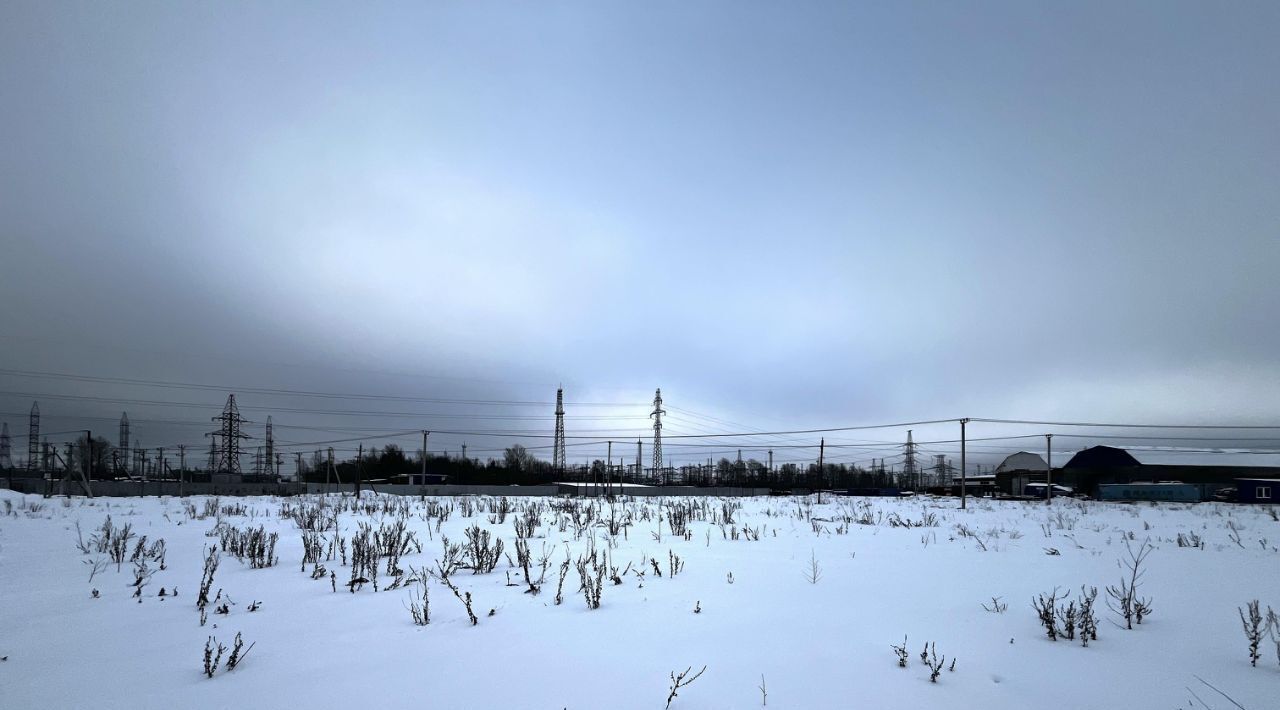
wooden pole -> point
(425, 433)
(1048, 469)
(964, 487)
(359, 457)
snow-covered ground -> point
(817, 643)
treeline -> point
(517, 467)
(391, 464)
(790, 475)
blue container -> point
(1258, 490)
(1179, 492)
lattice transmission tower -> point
(270, 446)
(657, 413)
(6, 453)
(122, 449)
(33, 439)
(909, 469)
(557, 450)
(229, 434)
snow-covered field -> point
(819, 642)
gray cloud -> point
(786, 217)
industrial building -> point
(1017, 471)
(1112, 473)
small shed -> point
(1257, 490)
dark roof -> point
(1102, 457)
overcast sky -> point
(786, 215)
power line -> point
(275, 391)
(1129, 426)
(305, 410)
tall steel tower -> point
(6, 456)
(909, 462)
(122, 450)
(557, 450)
(33, 438)
(124, 431)
(657, 413)
(270, 449)
(230, 432)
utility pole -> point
(639, 458)
(328, 472)
(88, 459)
(608, 471)
(182, 467)
(964, 489)
(425, 433)
(299, 469)
(771, 463)
(1048, 469)
(822, 447)
(359, 457)
(66, 473)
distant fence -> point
(116, 489)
